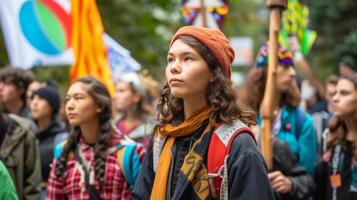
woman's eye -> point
(188, 59)
(344, 92)
(169, 60)
(78, 98)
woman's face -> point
(80, 106)
(124, 97)
(344, 102)
(32, 87)
(187, 73)
(40, 108)
(285, 77)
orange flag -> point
(90, 53)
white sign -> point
(39, 33)
(243, 49)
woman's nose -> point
(69, 105)
(335, 98)
(175, 67)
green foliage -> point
(58, 74)
(144, 27)
(247, 18)
(3, 55)
(336, 24)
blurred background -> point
(144, 27)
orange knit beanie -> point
(214, 40)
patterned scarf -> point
(193, 168)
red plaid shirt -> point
(73, 184)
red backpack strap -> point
(218, 152)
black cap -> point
(51, 95)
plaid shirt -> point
(72, 184)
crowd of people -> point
(198, 138)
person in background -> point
(34, 85)
(19, 153)
(202, 148)
(8, 191)
(322, 124)
(87, 164)
(130, 101)
(330, 90)
(336, 174)
(347, 65)
(13, 86)
(293, 132)
(45, 104)
(153, 89)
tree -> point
(144, 27)
(336, 24)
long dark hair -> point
(220, 94)
(102, 98)
(338, 127)
(252, 92)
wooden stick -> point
(203, 13)
(267, 112)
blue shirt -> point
(298, 131)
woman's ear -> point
(99, 108)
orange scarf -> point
(188, 127)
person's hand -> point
(293, 44)
(280, 182)
(294, 47)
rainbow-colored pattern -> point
(190, 14)
(285, 57)
(46, 26)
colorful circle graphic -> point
(46, 25)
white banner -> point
(38, 32)
(243, 48)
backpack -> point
(129, 162)
(218, 152)
(127, 159)
(299, 121)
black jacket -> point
(46, 139)
(323, 171)
(247, 174)
(285, 161)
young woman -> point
(44, 106)
(134, 112)
(336, 175)
(291, 126)
(87, 166)
(198, 113)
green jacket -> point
(21, 157)
(8, 191)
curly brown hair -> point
(252, 92)
(338, 128)
(220, 94)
